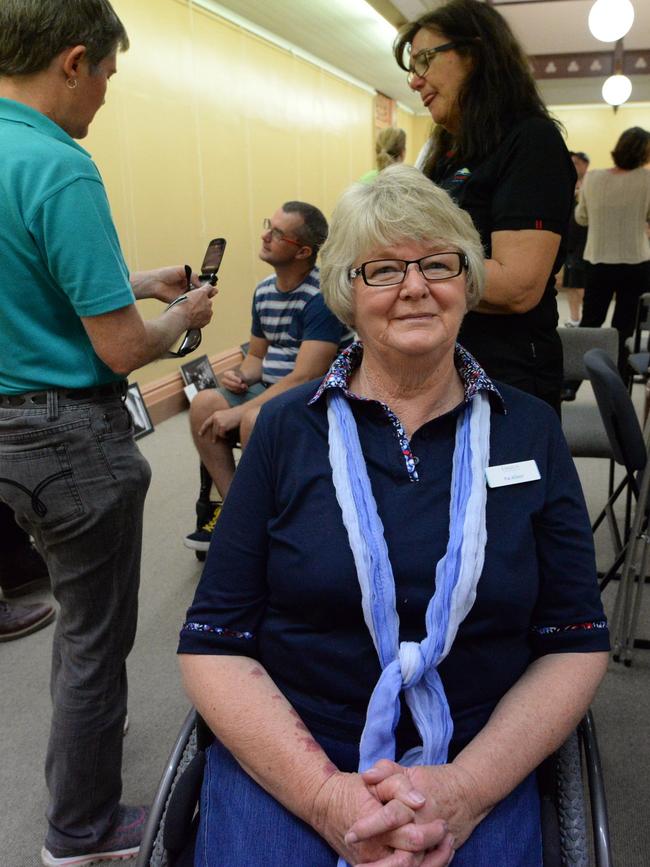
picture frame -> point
(198, 372)
(142, 424)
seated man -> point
(294, 338)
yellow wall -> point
(595, 128)
(206, 130)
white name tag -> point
(512, 474)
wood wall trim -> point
(165, 397)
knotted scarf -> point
(409, 665)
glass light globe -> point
(610, 20)
(617, 89)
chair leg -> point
(598, 803)
(638, 596)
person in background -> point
(71, 332)
(294, 338)
(615, 206)
(390, 148)
(503, 159)
(368, 597)
(575, 267)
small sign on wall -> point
(384, 111)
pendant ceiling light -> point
(610, 20)
(617, 89)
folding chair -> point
(638, 346)
(630, 446)
(581, 422)
(168, 839)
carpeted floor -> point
(157, 704)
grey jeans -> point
(77, 482)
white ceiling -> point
(352, 37)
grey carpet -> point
(157, 705)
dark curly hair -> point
(499, 89)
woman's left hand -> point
(448, 798)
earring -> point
(71, 83)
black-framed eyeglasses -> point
(278, 234)
(421, 61)
(391, 272)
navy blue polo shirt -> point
(280, 584)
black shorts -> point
(575, 276)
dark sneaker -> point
(119, 844)
(19, 620)
(22, 572)
(200, 540)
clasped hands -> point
(401, 817)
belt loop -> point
(52, 404)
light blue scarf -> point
(409, 665)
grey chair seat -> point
(581, 422)
(584, 431)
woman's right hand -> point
(345, 798)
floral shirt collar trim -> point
(472, 375)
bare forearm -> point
(531, 721)
(250, 716)
(155, 338)
(505, 293)
(251, 369)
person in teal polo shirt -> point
(70, 334)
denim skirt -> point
(241, 825)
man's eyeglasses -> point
(278, 234)
(391, 272)
(421, 61)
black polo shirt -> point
(528, 183)
(280, 583)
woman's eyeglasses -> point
(421, 61)
(391, 272)
(278, 234)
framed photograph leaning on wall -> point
(197, 375)
(142, 424)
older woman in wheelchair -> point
(399, 618)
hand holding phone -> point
(209, 268)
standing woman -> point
(615, 205)
(500, 156)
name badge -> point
(512, 474)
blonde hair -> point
(389, 146)
(400, 205)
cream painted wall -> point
(206, 130)
(596, 128)
(590, 128)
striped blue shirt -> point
(285, 319)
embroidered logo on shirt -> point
(461, 176)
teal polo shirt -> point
(60, 257)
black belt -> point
(39, 398)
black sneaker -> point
(200, 539)
(119, 844)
